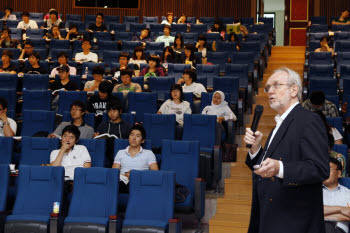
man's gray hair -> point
(293, 79)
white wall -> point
(277, 6)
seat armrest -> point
(112, 224)
(54, 222)
(217, 166)
(174, 225)
(230, 132)
(199, 198)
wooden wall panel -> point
(214, 8)
(333, 8)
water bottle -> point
(84, 76)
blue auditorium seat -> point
(141, 103)
(59, 44)
(327, 86)
(111, 19)
(11, 98)
(176, 70)
(111, 56)
(130, 19)
(318, 20)
(161, 85)
(38, 189)
(94, 200)
(137, 27)
(36, 82)
(151, 201)
(97, 151)
(219, 58)
(336, 122)
(150, 19)
(156, 27)
(36, 150)
(37, 100)
(106, 36)
(159, 127)
(73, 17)
(37, 120)
(35, 33)
(6, 152)
(320, 71)
(117, 27)
(67, 98)
(199, 28)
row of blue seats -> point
(161, 184)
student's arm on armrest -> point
(153, 166)
(116, 165)
(87, 164)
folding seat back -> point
(80, 25)
(191, 20)
(97, 151)
(117, 27)
(342, 46)
(207, 70)
(179, 27)
(212, 37)
(318, 20)
(35, 33)
(318, 35)
(73, 17)
(320, 58)
(12, 24)
(150, 19)
(37, 120)
(131, 45)
(37, 100)
(247, 21)
(11, 97)
(4, 184)
(222, 46)
(342, 58)
(111, 19)
(8, 81)
(38, 43)
(94, 200)
(313, 45)
(161, 84)
(227, 20)
(136, 27)
(67, 98)
(336, 28)
(54, 53)
(43, 53)
(341, 36)
(267, 21)
(151, 201)
(150, 46)
(177, 70)
(125, 36)
(90, 18)
(327, 86)
(156, 27)
(59, 44)
(38, 189)
(130, 19)
(6, 152)
(107, 46)
(190, 37)
(36, 82)
(207, 20)
(345, 71)
(102, 36)
(142, 103)
(219, 58)
(201, 128)
(318, 28)
(159, 127)
(199, 28)
(321, 71)
(36, 150)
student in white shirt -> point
(86, 55)
(8, 126)
(166, 38)
(27, 23)
(176, 105)
(220, 108)
(138, 57)
(62, 59)
(97, 74)
(189, 79)
(70, 155)
(134, 157)
(169, 19)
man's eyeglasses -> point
(275, 86)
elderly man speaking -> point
(289, 170)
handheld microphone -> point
(259, 109)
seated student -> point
(8, 14)
(77, 111)
(98, 103)
(317, 101)
(169, 20)
(179, 46)
(203, 47)
(64, 82)
(324, 46)
(6, 41)
(53, 21)
(98, 26)
(70, 155)
(86, 55)
(73, 33)
(182, 19)
(123, 65)
(336, 199)
(166, 38)
(343, 19)
(34, 66)
(168, 56)
(26, 51)
(126, 85)
(234, 38)
(62, 59)
(138, 57)
(97, 73)
(115, 124)
(189, 57)
(27, 23)
(189, 79)
(54, 33)
(47, 16)
(218, 27)
(8, 126)
(7, 66)
(219, 107)
(176, 104)
(145, 36)
(134, 157)
(154, 68)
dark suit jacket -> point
(293, 204)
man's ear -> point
(339, 173)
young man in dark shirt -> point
(34, 67)
(98, 26)
(64, 82)
(114, 125)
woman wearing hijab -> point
(220, 108)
